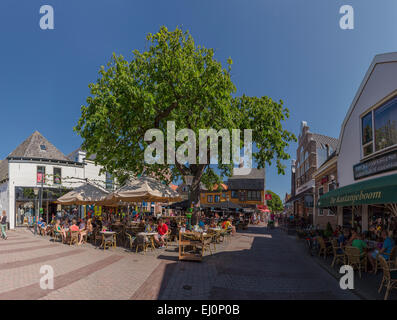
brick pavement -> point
(254, 265)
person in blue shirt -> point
(387, 246)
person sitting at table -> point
(387, 246)
(42, 226)
(83, 228)
(74, 226)
(162, 230)
(359, 243)
(58, 229)
(149, 227)
(353, 237)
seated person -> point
(74, 226)
(149, 227)
(83, 231)
(359, 243)
(58, 229)
(387, 246)
(42, 226)
(162, 230)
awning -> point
(375, 191)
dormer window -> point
(43, 147)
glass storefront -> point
(27, 202)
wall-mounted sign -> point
(382, 163)
(324, 180)
(268, 197)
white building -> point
(21, 175)
(367, 150)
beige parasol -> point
(86, 194)
(144, 189)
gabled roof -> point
(378, 59)
(255, 180)
(36, 146)
(325, 140)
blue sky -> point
(292, 50)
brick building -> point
(326, 179)
(313, 150)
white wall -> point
(4, 203)
(381, 83)
(91, 172)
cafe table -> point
(150, 237)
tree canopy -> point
(275, 205)
(174, 80)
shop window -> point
(234, 194)
(379, 128)
(386, 125)
(57, 176)
(40, 174)
(217, 198)
(209, 199)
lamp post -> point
(36, 192)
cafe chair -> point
(324, 249)
(129, 240)
(339, 254)
(74, 237)
(389, 280)
(108, 241)
(355, 259)
(390, 258)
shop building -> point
(326, 180)
(313, 150)
(367, 151)
(35, 169)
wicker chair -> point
(339, 254)
(392, 256)
(74, 237)
(108, 240)
(356, 259)
(129, 239)
(324, 249)
(389, 279)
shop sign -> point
(383, 163)
(268, 197)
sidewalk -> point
(366, 287)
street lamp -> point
(36, 192)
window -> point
(331, 186)
(320, 192)
(379, 128)
(234, 194)
(43, 147)
(57, 176)
(320, 212)
(217, 198)
(366, 126)
(243, 196)
(109, 181)
(322, 156)
(254, 196)
(330, 212)
(223, 195)
(209, 199)
(386, 125)
(40, 174)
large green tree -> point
(275, 204)
(174, 80)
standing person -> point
(3, 225)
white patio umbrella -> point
(86, 194)
(144, 189)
